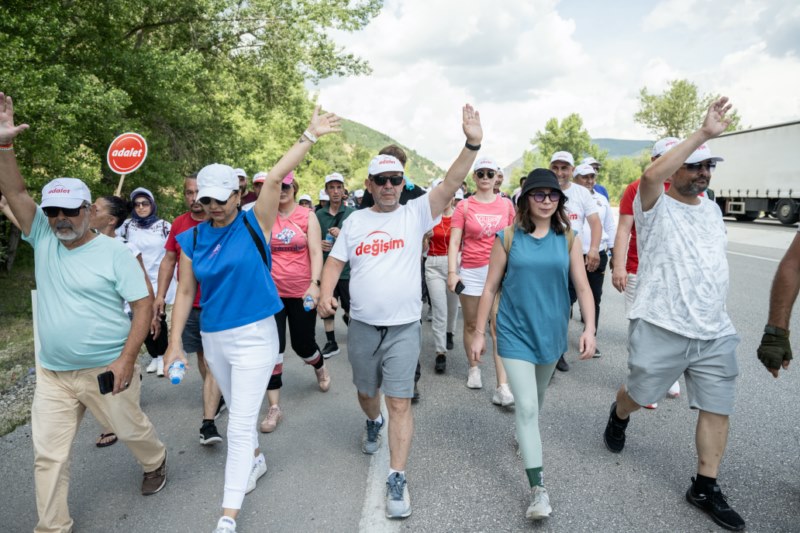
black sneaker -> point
(441, 363)
(415, 398)
(220, 407)
(614, 435)
(330, 349)
(449, 341)
(597, 353)
(562, 365)
(209, 434)
(716, 505)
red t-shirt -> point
(440, 241)
(480, 222)
(179, 225)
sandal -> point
(106, 439)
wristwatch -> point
(315, 282)
(772, 330)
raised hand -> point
(716, 121)
(471, 123)
(7, 129)
(323, 124)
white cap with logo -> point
(662, 146)
(703, 153)
(486, 162)
(259, 177)
(566, 157)
(304, 197)
(216, 181)
(65, 192)
(591, 161)
(384, 163)
(583, 170)
(334, 177)
(240, 172)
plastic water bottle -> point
(330, 238)
(176, 372)
(308, 303)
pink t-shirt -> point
(291, 262)
(479, 225)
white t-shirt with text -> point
(579, 206)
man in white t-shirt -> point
(383, 244)
(582, 210)
(679, 323)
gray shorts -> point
(657, 357)
(384, 357)
(191, 333)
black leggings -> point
(302, 324)
(596, 279)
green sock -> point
(535, 476)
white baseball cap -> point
(239, 172)
(216, 181)
(663, 146)
(65, 192)
(591, 161)
(583, 169)
(304, 197)
(563, 156)
(359, 193)
(703, 153)
(486, 162)
(384, 163)
(334, 177)
(259, 177)
(323, 195)
(459, 194)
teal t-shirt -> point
(533, 314)
(79, 298)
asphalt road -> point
(464, 474)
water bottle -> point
(176, 372)
(330, 238)
(308, 303)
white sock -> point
(379, 419)
(226, 520)
(393, 471)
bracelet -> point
(473, 147)
(6, 147)
(315, 282)
(310, 136)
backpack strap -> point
(508, 237)
(259, 244)
(570, 239)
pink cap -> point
(289, 178)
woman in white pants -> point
(238, 327)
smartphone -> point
(106, 382)
(459, 287)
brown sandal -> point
(103, 443)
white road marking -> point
(373, 514)
(756, 257)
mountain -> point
(616, 148)
(421, 169)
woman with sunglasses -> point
(239, 331)
(296, 247)
(533, 314)
(145, 230)
(475, 222)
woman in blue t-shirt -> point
(533, 314)
(238, 328)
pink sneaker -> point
(651, 406)
(323, 378)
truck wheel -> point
(786, 211)
(749, 216)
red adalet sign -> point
(127, 153)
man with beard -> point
(212, 402)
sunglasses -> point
(694, 167)
(380, 181)
(539, 196)
(205, 200)
(144, 203)
(488, 174)
(286, 187)
(52, 211)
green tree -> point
(678, 111)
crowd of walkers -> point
(514, 266)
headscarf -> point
(152, 218)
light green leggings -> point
(528, 383)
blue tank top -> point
(533, 314)
(237, 285)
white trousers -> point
(444, 303)
(241, 360)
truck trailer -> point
(759, 174)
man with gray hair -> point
(82, 279)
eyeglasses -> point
(488, 174)
(380, 181)
(205, 200)
(52, 211)
(694, 167)
(143, 203)
(286, 186)
(539, 196)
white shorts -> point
(473, 279)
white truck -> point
(759, 174)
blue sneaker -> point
(372, 437)
(398, 502)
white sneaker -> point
(226, 524)
(474, 378)
(160, 366)
(674, 391)
(259, 469)
(651, 406)
(540, 504)
(152, 366)
(502, 396)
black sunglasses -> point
(286, 186)
(143, 203)
(539, 196)
(205, 200)
(694, 167)
(488, 173)
(52, 211)
(380, 181)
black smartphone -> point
(106, 382)
(459, 287)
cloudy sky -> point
(521, 62)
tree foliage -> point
(202, 80)
(678, 111)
